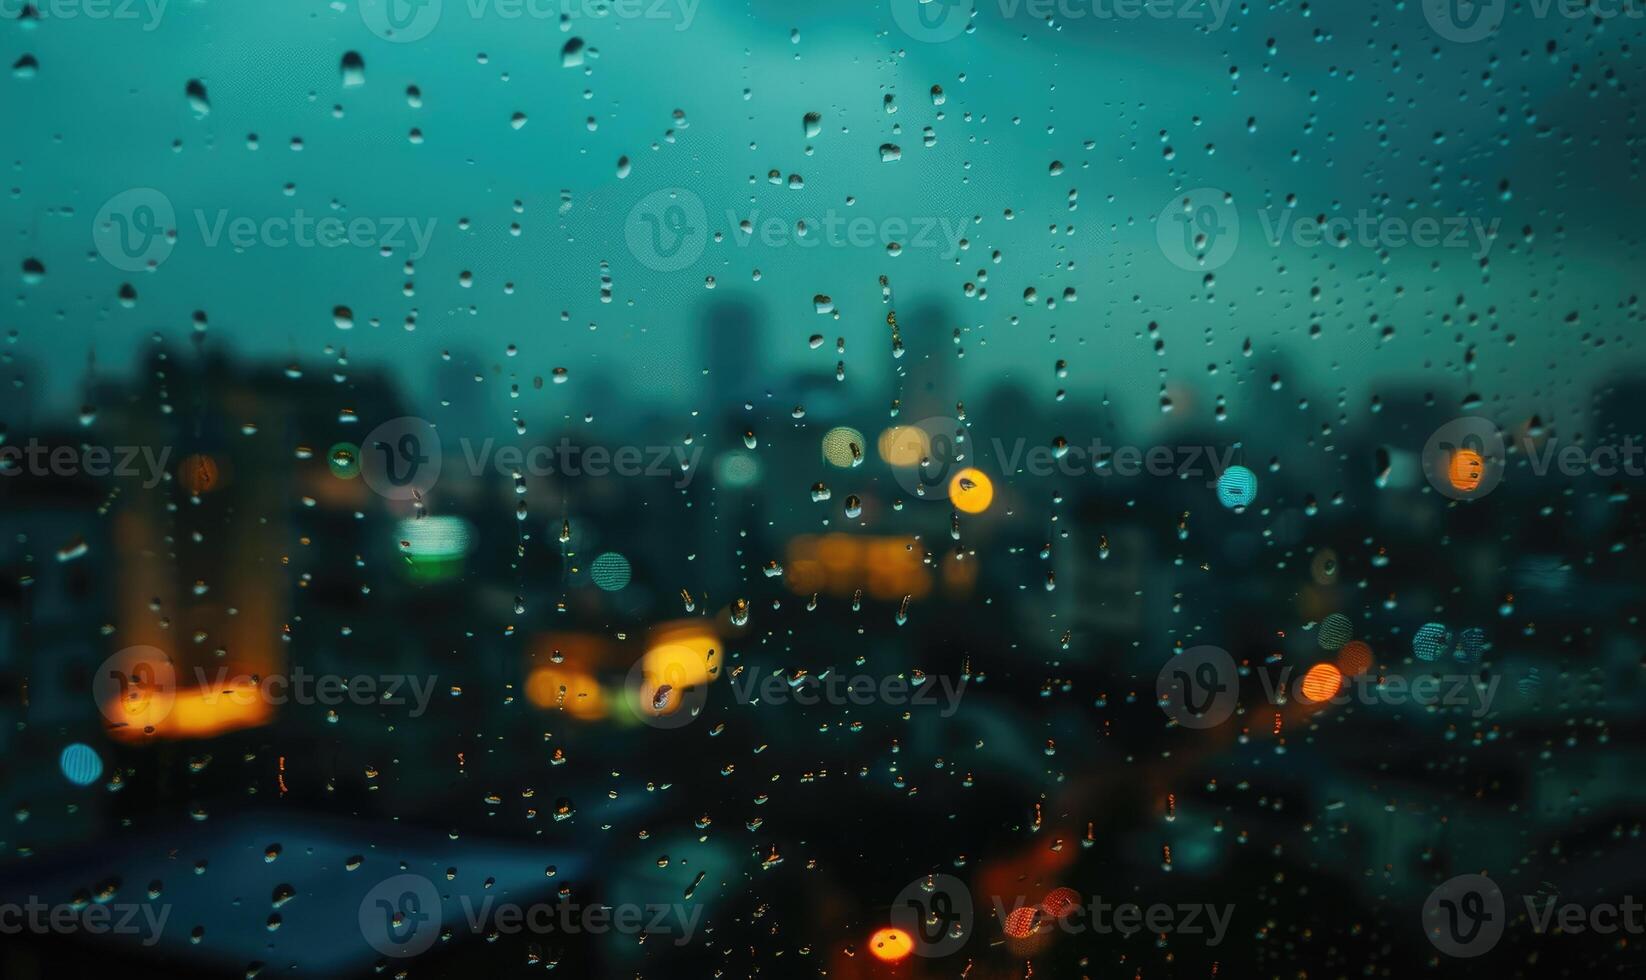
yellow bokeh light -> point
(891, 945)
(905, 445)
(683, 653)
(843, 447)
(971, 490)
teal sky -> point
(1362, 110)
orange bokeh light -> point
(1322, 682)
(891, 945)
(1466, 469)
(1355, 658)
(573, 691)
(199, 473)
(194, 712)
(885, 567)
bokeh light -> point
(905, 445)
(1237, 487)
(1355, 658)
(1466, 469)
(971, 490)
(81, 764)
(559, 688)
(891, 945)
(843, 447)
(1060, 902)
(1431, 641)
(344, 460)
(610, 571)
(1020, 922)
(1335, 630)
(200, 473)
(737, 469)
(1471, 645)
(1322, 682)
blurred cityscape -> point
(817, 527)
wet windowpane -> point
(908, 489)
